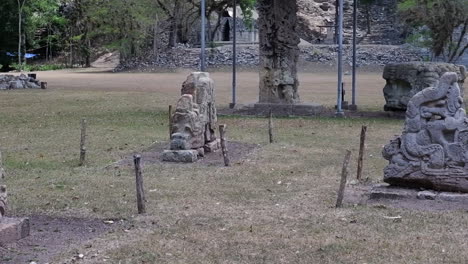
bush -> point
(37, 67)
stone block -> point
(309, 109)
(212, 146)
(263, 109)
(305, 109)
(201, 152)
(453, 197)
(427, 195)
(180, 155)
(387, 192)
(13, 229)
(404, 80)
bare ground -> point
(50, 236)
(237, 151)
(315, 86)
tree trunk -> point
(335, 24)
(88, 53)
(278, 51)
(20, 40)
(156, 36)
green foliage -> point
(367, 2)
(73, 29)
(37, 67)
(247, 7)
(442, 18)
(407, 5)
(420, 38)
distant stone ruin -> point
(10, 82)
(194, 121)
(432, 152)
(404, 80)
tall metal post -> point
(202, 36)
(234, 54)
(339, 110)
(353, 105)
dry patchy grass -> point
(276, 206)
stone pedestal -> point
(180, 155)
(13, 229)
(379, 192)
(288, 109)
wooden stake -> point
(83, 142)
(222, 135)
(270, 127)
(170, 121)
(140, 192)
(344, 175)
(361, 152)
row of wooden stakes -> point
(222, 132)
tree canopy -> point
(446, 22)
(73, 29)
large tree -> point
(443, 18)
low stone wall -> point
(9, 82)
(247, 56)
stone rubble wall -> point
(247, 56)
(386, 29)
(9, 82)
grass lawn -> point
(275, 206)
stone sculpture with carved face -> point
(194, 120)
(432, 152)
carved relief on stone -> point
(194, 120)
(3, 192)
(404, 80)
(279, 51)
(432, 151)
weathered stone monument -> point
(404, 80)
(279, 53)
(194, 120)
(432, 151)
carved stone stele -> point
(278, 51)
(404, 80)
(194, 120)
(432, 151)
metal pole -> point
(234, 54)
(202, 36)
(339, 110)
(353, 103)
